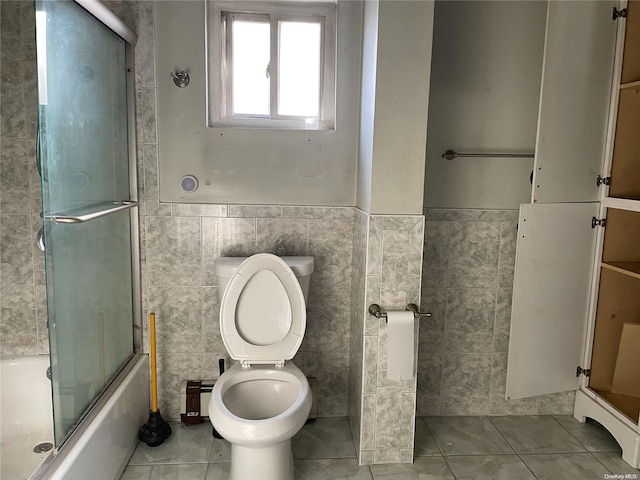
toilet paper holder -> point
(376, 311)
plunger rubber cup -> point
(155, 431)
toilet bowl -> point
(263, 400)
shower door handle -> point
(119, 206)
(40, 239)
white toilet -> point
(262, 400)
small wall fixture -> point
(180, 78)
(189, 183)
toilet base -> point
(274, 462)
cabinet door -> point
(551, 291)
(574, 101)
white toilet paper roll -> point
(400, 326)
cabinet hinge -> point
(598, 222)
(622, 13)
(600, 180)
(582, 371)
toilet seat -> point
(262, 315)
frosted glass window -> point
(299, 58)
(250, 67)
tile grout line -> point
(433, 436)
(512, 447)
(446, 322)
(584, 446)
(520, 455)
(446, 462)
(527, 465)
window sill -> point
(267, 123)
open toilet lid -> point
(262, 316)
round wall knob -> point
(180, 78)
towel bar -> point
(450, 155)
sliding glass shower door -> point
(89, 213)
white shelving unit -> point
(576, 301)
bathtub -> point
(98, 449)
(25, 413)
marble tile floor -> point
(451, 448)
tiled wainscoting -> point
(467, 281)
(394, 258)
(181, 287)
(22, 279)
(387, 266)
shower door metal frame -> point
(64, 451)
(117, 26)
(136, 281)
(111, 21)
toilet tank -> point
(301, 266)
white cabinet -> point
(576, 303)
(574, 101)
(549, 311)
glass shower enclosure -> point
(89, 207)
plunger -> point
(156, 430)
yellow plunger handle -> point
(152, 353)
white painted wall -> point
(485, 88)
(397, 105)
(249, 165)
(375, 162)
(367, 103)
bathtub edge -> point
(104, 442)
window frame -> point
(218, 52)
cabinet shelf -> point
(631, 269)
(621, 238)
(625, 174)
(618, 303)
(621, 203)
(625, 171)
(631, 52)
(635, 84)
(628, 405)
